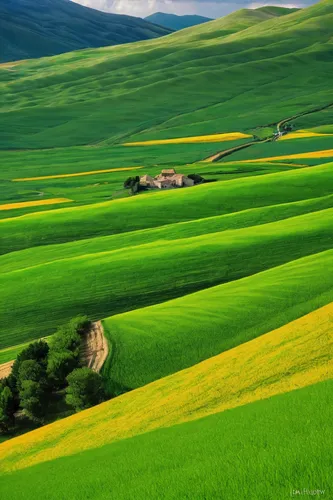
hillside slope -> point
(196, 81)
(234, 451)
(37, 28)
(294, 356)
(174, 22)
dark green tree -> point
(32, 400)
(60, 364)
(7, 409)
(37, 351)
(29, 370)
(85, 389)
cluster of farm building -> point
(166, 179)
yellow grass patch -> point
(35, 203)
(302, 134)
(327, 153)
(293, 356)
(233, 136)
(76, 174)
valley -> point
(210, 306)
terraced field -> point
(216, 300)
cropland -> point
(214, 303)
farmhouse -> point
(168, 178)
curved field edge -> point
(153, 342)
(239, 220)
(231, 451)
(147, 211)
(296, 355)
(113, 282)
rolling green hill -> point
(211, 297)
(293, 356)
(249, 444)
(113, 281)
(38, 28)
(168, 207)
(172, 86)
(174, 22)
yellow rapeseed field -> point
(76, 174)
(326, 153)
(293, 356)
(302, 134)
(233, 136)
(35, 203)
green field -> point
(153, 342)
(231, 453)
(211, 297)
(173, 89)
(157, 209)
(112, 281)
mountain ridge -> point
(32, 29)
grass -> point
(328, 153)
(280, 149)
(81, 284)
(153, 342)
(147, 211)
(247, 444)
(239, 220)
(302, 134)
(77, 174)
(231, 453)
(27, 30)
(233, 136)
(35, 203)
(297, 355)
(175, 86)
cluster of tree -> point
(196, 178)
(133, 184)
(41, 369)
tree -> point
(132, 183)
(60, 364)
(32, 400)
(29, 370)
(196, 178)
(7, 409)
(37, 351)
(85, 389)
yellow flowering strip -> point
(76, 174)
(327, 153)
(35, 203)
(233, 136)
(296, 355)
(302, 134)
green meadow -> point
(112, 281)
(179, 333)
(159, 208)
(262, 450)
(178, 277)
(199, 81)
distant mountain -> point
(37, 28)
(175, 22)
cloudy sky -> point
(209, 8)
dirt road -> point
(5, 369)
(95, 348)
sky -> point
(208, 8)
